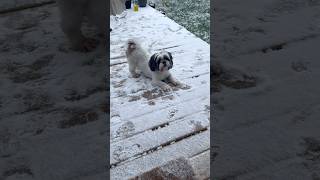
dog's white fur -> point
(138, 59)
(72, 14)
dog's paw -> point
(175, 83)
(135, 75)
(182, 85)
(166, 88)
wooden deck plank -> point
(185, 148)
(201, 165)
(142, 106)
(166, 115)
(152, 139)
(135, 86)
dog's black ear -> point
(170, 55)
(170, 59)
(153, 63)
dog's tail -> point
(133, 42)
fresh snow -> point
(52, 99)
(268, 130)
(145, 121)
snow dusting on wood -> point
(149, 127)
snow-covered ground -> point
(7, 5)
(52, 99)
(194, 15)
(267, 105)
(150, 128)
(266, 124)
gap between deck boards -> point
(187, 148)
(187, 119)
(163, 145)
(169, 134)
(160, 124)
(158, 108)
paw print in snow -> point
(172, 113)
(126, 129)
(119, 154)
(122, 153)
(196, 125)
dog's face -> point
(131, 46)
(161, 61)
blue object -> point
(142, 3)
(128, 4)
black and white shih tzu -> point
(157, 67)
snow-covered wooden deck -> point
(148, 127)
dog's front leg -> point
(177, 83)
(132, 69)
(174, 81)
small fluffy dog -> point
(72, 13)
(157, 67)
(137, 59)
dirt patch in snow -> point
(176, 169)
(312, 149)
(231, 78)
(17, 170)
(152, 94)
(134, 98)
(299, 66)
(78, 117)
(74, 95)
